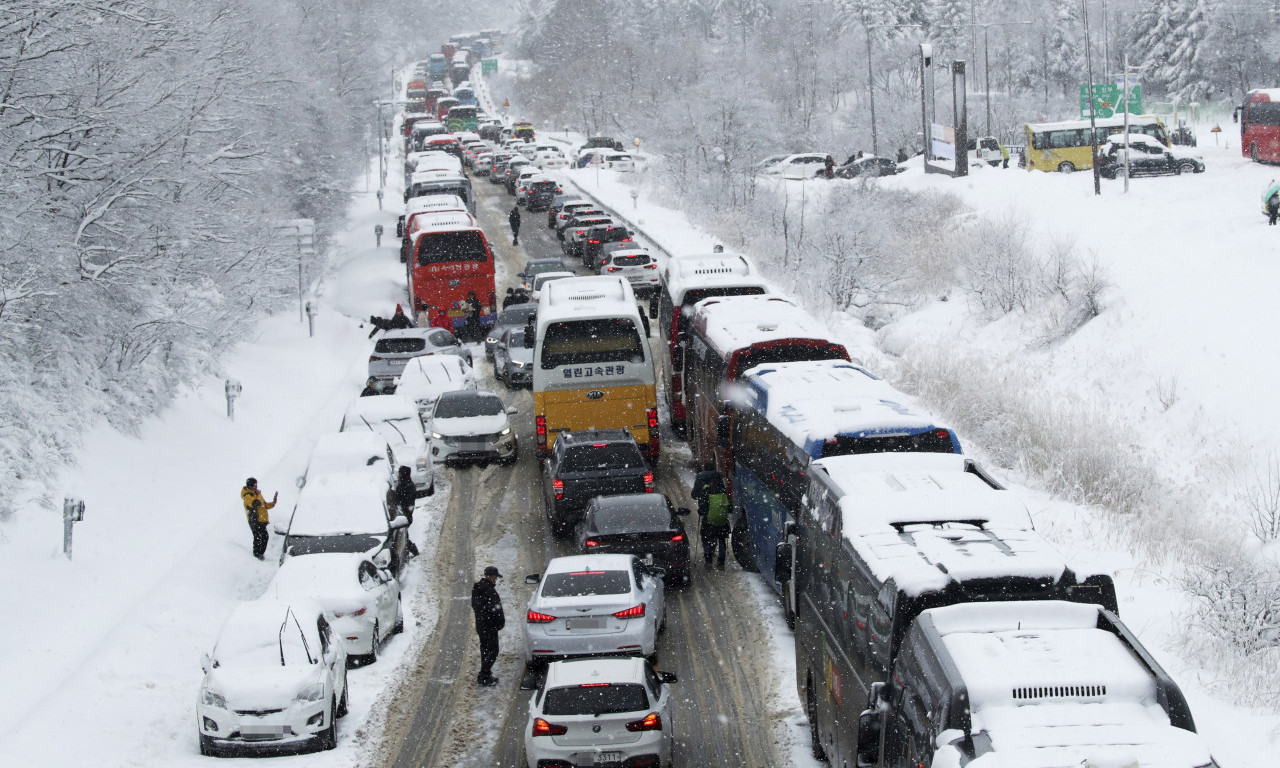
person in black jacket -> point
(399, 320)
(513, 219)
(487, 606)
(406, 496)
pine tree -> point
(1166, 40)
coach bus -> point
(440, 182)
(728, 336)
(464, 118)
(418, 211)
(451, 263)
(592, 368)
(790, 414)
(1066, 146)
(686, 281)
(1259, 118)
(884, 537)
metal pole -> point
(1126, 122)
(871, 91)
(299, 277)
(1093, 107)
(986, 70)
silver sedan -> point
(512, 360)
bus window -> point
(613, 340)
(932, 441)
(444, 247)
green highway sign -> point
(1109, 101)
(488, 66)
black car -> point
(1147, 157)
(639, 524)
(573, 235)
(558, 203)
(540, 194)
(867, 166)
(574, 215)
(599, 235)
(535, 267)
(587, 464)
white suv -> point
(600, 712)
(640, 269)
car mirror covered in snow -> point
(533, 578)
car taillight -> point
(558, 486)
(533, 617)
(653, 418)
(613, 269)
(651, 722)
(594, 242)
(678, 537)
(543, 728)
(540, 427)
(650, 266)
(592, 543)
(359, 612)
(633, 612)
(648, 482)
(374, 358)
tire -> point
(399, 626)
(789, 616)
(510, 459)
(1184, 168)
(342, 709)
(662, 625)
(1119, 173)
(1253, 151)
(373, 645)
(740, 542)
(329, 736)
(1066, 167)
(811, 709)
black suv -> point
(599, 235)
(587, 464)
(540, 194)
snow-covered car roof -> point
(434, 204)
(610, 669)
(340, 452)
(425, 378)
(380, 408)
(576, 563)
(346, 505)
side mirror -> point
(782, 562)
(668, 678)
(683, 511)
(869, 727)
(398, 522)
(533, 578)
(723, 427)
(644, 320)
(521, 274)
(280, 531)
(512, 411)
(206, 663)
(658, 573)
(382, 560)
(301, 481)
(677, 358)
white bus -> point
(592, 365)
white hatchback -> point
(601, 712)
(595, 605)
(472, 426)
(637, 266)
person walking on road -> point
(514, 219)
(406, 497)
(255, 511)
(713, 510)
(487, 606)
(377, 233)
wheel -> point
(662, 625)
(811, 709)
(510, 459)
(1066, 168)
(399, 626)
(740, 541)
(342, 703)
(790, 617)
(373, 644)
(329, 736)
(1119, 173)
(1184, 168)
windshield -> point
(265, 646)
(313, 545)
(443, 247)
(393, 430)
(604, 456)
(465, 404)
(585, 583)
(606, 340)
(400, 346)
(538, 268)
(517, 315)
(515, 338)
(596, 699)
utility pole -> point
(871, 90)
(1093, 107)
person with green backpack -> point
(713, 509)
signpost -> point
(1110, 99)
(488, 67)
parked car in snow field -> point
(395, 419)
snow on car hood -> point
(471, 425)
(255, 687)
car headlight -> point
(212, 699)
(491, 340)
(437, 436)
(505, 432)
(312, 693)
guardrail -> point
(654, 247)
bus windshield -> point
(442, 247)
(610, 340)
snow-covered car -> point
(865, 166)
(594, 605)
(769, 162)
(618, 161)
(483, 164)
(276, 679)
(426, 378)
(361, 600)
(601, 712)
(550, 157)
(576, 232)
(800, 166)
(637, 266)
(514, 316)
(512, 360)
(351, 515)
(1147, 157)
(342, 454)
(498, 168)
(472, 426)
(395, 418)
(396, 348)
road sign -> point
(488, 66)
(506, 103)
(1109, 100)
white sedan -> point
(595, 605)
(601, 712)
(362, 599)
(277, 679)
(802, 166)
(472, 426)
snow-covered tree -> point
(1165, 43)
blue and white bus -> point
(786, 415)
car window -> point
(514, 338)
(602, 456)
(460, 405)
(625, 519)
(311, 545)
(586, 583)
(655, 682)
(442, 338)
(595, 699)
(401, 346)
(634, 260)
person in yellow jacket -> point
(255, 510)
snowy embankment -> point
(104, 670)
(1174, 367)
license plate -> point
(607, 758)
(584, 623)
(472, 445)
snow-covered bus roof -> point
(585, 298)
(445, 221)
(434, 204)
(1101, 122)
(1053, 686)
(1271, 93)
(814, 401)
(714, 270)
(736, 322)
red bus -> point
(419, 210)
(451, 261)
(728, 337)
(686, 281)
(1259, 118)
(449, 49)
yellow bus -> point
(592, 367)
(1066, 146)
